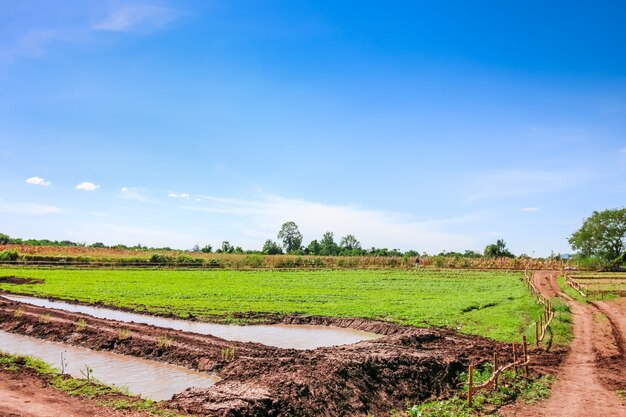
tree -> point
(603, 234)
(349, 242)
(291, 236)
(227, 247)
(328, 247)
(207, 248)
(4, 239)
(497, 250)
(271, 248)
(313, 248)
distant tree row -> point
(291, 243)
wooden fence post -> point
(470, 384)
(515, 358)
(525, 356)
(537, 332)
(495, 368)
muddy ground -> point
(408, 365)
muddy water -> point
(279, 335)
(150, 379)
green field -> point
(494, 304)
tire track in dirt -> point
(580, 389)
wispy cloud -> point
(31, 36)
(87, 186)
(132, 193)
(27, 208)
(623, 150)
(530, 209)
(179, 195)
(260, 219)
(38, 181)
(517, 183)
(137, 17)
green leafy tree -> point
(603, 234)
(227, 247)
(313, 248)
(207, 248)
(328, 247)
(5, 239)
(497, 250)
(349, 242)
(271, 248)
(291, 237)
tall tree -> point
(349, 242)
(498, 250)
(603, 234)
(313, 248)
(291, 236)
(271, 248)
(328, 247)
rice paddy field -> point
(605, 282)
(495, 304)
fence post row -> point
(497, 370)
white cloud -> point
(27, 208)
(259, 219)
(38, 181)
(132, 193)
(516, 183)
(530, 209)
(137, 18)
(87, 186)
(179, 195)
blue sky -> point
(413, 125)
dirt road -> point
(593, 369)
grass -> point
(495, 304)
(593, 296)
(560, 330)
(105, 395)
(486, 402)
(570, 291)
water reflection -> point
(279, 335)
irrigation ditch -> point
(407, 365)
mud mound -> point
(370, 377)
(19, 280)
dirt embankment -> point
(371, 377)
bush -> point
(9, 255)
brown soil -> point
(25, 394)
(594, 367)
(19, 280)
(371, 377)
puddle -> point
(280, 335)
(150, 379)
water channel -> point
(279, 335)
(150, 379)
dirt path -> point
(25, 395)
(586, 386)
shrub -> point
(9, 255)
